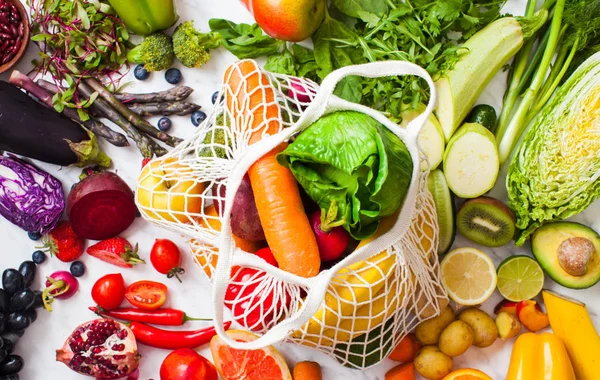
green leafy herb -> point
(244, 40)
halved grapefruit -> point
(232, 364)
(467, 374)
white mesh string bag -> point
(357, 310)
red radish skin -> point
(333, 243)
(67, 279)
(298, 92)
(101, 206)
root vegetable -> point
(482, 324)
(508, 325)
(432, 364)
(101, 206)
(428, 332)
(456, 339)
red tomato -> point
(166, 258)
(146, 295)
(267, 255)
(108, 291)
(187, 364)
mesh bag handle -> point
(325, 102)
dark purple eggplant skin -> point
(29, 129)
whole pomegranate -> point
(102, 348)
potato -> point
(245, 222)
(482, 324)
(432, 364)
(456, 338)
(428, 332)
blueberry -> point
(141, 73)
(77, 269)
(38, 257)
(164, 124)
(173, 76)
(34, 235)
(215, 96)
(198, 117)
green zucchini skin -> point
(483, 114)
(29, 129)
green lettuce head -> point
(352, 161)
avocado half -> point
(545, 243)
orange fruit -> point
(232, 364)
(467, 374)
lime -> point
(469, 276)
(520, 278)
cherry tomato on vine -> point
(108, 292)
(146, 295)
(166, 258)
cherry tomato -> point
(108, 292)
(187, 364)
(146, 295)
(166, 258)
(251, 302)
(267, 255)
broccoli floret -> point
(155, 52)
(192, 47)
(217, 140)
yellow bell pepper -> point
(540, 357)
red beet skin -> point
(101, 206)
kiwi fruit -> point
(486, 221)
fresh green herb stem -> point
(517, 70)
(534, 63)
(517, 124)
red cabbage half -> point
(29, 197)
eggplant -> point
(29, 129)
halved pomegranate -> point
(102, 348)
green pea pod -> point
(144, 17)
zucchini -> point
(431, 138)
(29, 129)
(445, 210)
(471, 162)
(483, 114)
(485, 54)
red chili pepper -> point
(172, 340)
(163, 317)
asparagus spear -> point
(163, 109)
(100, 107)
(133, 118)
(174, 94)
(23, 81)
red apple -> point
(288, 20)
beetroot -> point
(245, 222)
(101, 206)
(103, 348)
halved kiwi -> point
(486, 221)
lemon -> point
(469, 276)
(520, 278)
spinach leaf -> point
(282, 63)
(244, 40)
(352, 7)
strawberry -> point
(117, 251)
(64, 243)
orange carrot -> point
(307, 371)
(286, 226)
(404, 371)
(406, 349)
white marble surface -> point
(51, 329)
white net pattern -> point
(362, 306)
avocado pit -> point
(574, 254)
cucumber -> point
(431, 138)
(444, 206)
(471, 161)
(483, 114)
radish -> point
(101, 206)
(331, 239)
(300, 92)
(60, 285)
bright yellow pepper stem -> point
(540, 357)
